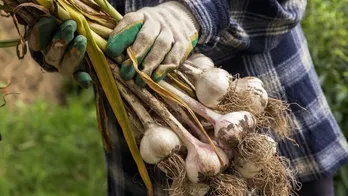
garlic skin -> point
(272, 143)
(200, 61)
(256, 89)
(203, 161)
(197, 189)
(224, 158)
(235, 121)
(229, 127)
(246, 168)
(157, 143)
(211, 86)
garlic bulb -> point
(200, 61)
(254, 87)
(202, 160)
(230, 127)
(272, 143)
(198, 189)
(247, 169)
(227, 127)
(212, 86)
(157, 143)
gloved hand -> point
(161, 37)
(57, 48)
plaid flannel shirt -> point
(263, 39)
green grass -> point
(51, 150)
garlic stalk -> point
(182, 116)
(158, 142)
(200, 61)
(201, 160)
(100, 29)
(214, 82)
(185, 79)
(218, 84)
(227, 128)
(157, 147)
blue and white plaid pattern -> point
(263, 39)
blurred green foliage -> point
(51, 150)
(326, 28)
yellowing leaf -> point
(111, 91)
(182, 85)
(93, 15)
(105, 5)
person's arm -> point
(253, 25)
(213, 17)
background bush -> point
(51, 150)
(54, 150)
(326, 28)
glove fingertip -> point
(157, 77)
(83, 79)
(73, 55)
(41, 33)
(162, 71)
(66, 31)
(127, 70)
(117, 43)
(39, 59)
(80, 42)
(139, 81)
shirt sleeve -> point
(246, 25)
(213, 17)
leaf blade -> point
(9, 43)
(111, 91)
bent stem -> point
(197, 107)
(138, 108)
(185, 79)
(105, 5)
(9, 43)
(191, 71)
(7, 85)
(100, 29)
(184, 117)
